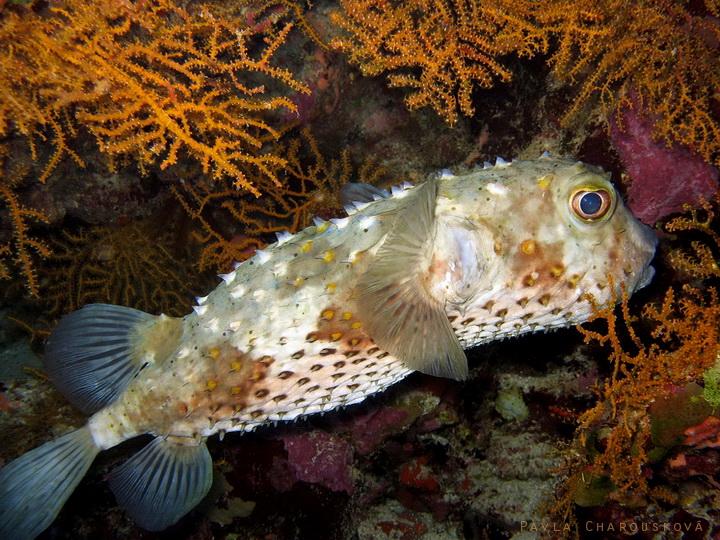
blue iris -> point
(591, 203)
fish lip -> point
(645, 277)
(649, 240)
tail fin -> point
(35, 486)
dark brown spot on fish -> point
(382, 355)
(286, 375)
(467, 321)
(279, 398)
(359, 361)
(452, 318)
(527, 317)
(350, 354)
(339, 365)
(522, 302)
(298, 401)
(373, 350)
(489, 305)
(353, 387)
(256, 413)
(261, 393)
(303, 381)
(545, 299)
(337, 376)
(311, 337)
(298, 355)
(502, 313)
(327, 351)
(313, 388)
(316, 367)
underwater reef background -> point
(147, 145)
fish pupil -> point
(591, 203)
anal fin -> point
(162, 482)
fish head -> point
(532, 244)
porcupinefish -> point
(324, 318)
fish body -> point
(326, 317)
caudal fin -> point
(35, 486)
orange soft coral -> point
(150, 80)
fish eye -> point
(591, 204)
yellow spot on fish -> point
(354, 341)
(323, 227)
(235, 390)
(214, 353)
(347, 316)
(356, 325)
(545, 180)
(574, 280)
(296, 282)
(235, 366)
(328, 314)
(306, 246)
(528, 247)
(331, 287)
(335, 336)
(557, 271)
(211, 386)
(328, 256)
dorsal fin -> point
(393, 303)
(359, 192)
(93, 353)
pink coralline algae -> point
(316, 457)
(662, 178)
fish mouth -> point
(648, 242)
(646, 277)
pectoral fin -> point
(394, 304)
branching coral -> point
(440, 49)
(150, 80)
(23, 249)
(131, 266)
(310, 188)
(662, 54)
(701, 263)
